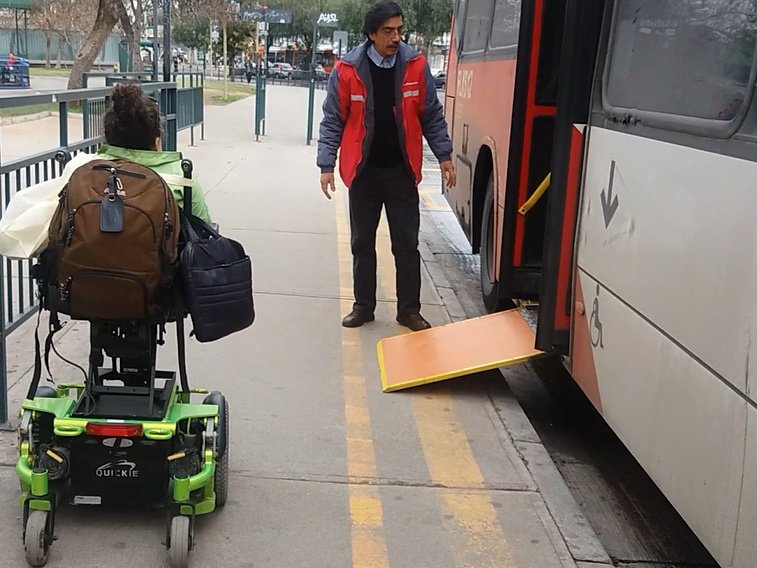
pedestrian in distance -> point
(381, 102)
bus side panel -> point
(746, 544)
(670, 230)
(684, 427)
(666, 255)
(477, 132)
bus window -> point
(553, 23)
(506, 25)
(691, 58)
(459, 27)
(477, 25)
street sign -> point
(327, 20)
(266, 15)
(340, 40)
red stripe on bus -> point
(532, 112)
(562, 311)
(582, 365)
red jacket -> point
(348, 121)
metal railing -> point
(17, 292)
(190, 103)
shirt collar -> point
(383, 62)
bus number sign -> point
(465, 83)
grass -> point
(36, 109)
(42, 72)
(234, 87)
(33, 109)
(214, 92)
(221, 100)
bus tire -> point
(490, 286)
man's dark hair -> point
(379, 13)
(133, 120)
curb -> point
(25, 117)
(575, 530)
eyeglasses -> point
(390, 32)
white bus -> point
(642, 253)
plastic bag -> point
(24, 224)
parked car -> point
(320, 72)
(440, 79)
(281, 70)
(300, 74)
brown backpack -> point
(113, 244)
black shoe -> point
(414, 321)
(357, 318)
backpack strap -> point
(54, 327)
(173, 179)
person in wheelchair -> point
(132, 132)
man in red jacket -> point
(381, 102)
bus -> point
(300, 58)
(606, 153)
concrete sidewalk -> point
(326, 470)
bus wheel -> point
(489, 284)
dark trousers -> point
(394, 189)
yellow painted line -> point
(428, 201)
(366, 511)
(451, 463)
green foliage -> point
(191, 34)
(428, 19)
(240, 35)
(351, 17)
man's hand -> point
(327, 180)
(448, 173)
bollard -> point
(311, 105)
(260, 88)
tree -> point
(300, 31)
(427, 20)
(352, 17)
(64, 19)
(192, 34)
(132, 21)
(239, 36)
(108, 14)
(43, 16)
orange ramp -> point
(455, 350)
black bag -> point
(216, 281)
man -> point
(381, 99)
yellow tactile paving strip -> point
(366, 511)
(446, 449)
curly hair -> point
(133, 120)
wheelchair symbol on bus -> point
(595, 324)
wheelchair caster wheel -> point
(180, 542)
(36, 538)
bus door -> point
(572, 96)
(529, 153)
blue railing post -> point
(4, 422)
(63, 124)
(85, 108)
(260, 88)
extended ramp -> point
(455, 350)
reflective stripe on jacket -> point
(348, 115)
